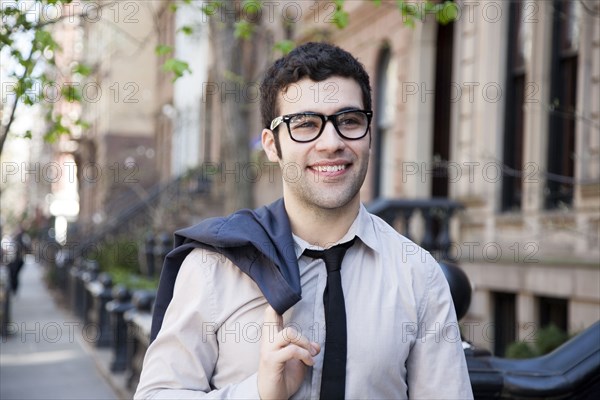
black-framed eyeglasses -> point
(308, 126)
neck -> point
(321, 226)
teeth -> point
(330, 168)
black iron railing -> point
(436, 213)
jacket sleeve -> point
(180, 362)
(436, 365)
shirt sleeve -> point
(180, 362)
(436, 365)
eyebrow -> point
(347, 108)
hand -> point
(284, 355)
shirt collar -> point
(362, 227)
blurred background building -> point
(498, 110)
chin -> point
(334, 203)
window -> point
(386, 89)
(442, 108)
(553, 311)
(515, 91)
(562, 107)
(504, 321)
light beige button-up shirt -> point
(403, 337)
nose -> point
(329, 140)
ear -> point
(268, 144)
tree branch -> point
(13, 110)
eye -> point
(304, 121)
(351, 119)
(348, 121)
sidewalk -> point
(46, 356)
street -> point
(44, 355)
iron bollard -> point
(89, 275)
(139, 321)
(76, 288)
(143, 300)
(101, 291)
(117, 308)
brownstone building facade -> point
(498, 110)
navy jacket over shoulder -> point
(258, 241)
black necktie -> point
(333, 381)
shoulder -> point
(209, 272)
(209, 265)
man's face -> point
(328, 172)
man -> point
(243, 296)
(21, 243)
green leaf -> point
(6, 40)
(285, 46)
(51, 136)
(408, 9)
(71, 93)
(9, 9)
(177, 67)
(410, 12)
(22, 22)
(409, 21)
(251, 7)
(17, 54)
(430, 7)
(83, 124)
(44, 40)
(173, 7)
(56, 129)
(27, 134)
(210, 8)
(186, 30)
(82, 69)
(243, 30)
(447, 13)
(340, 19)
(162, 50)
(377, 2)
(26, 91)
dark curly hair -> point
(316, 61)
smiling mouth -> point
(329, 168)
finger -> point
(292, 352)
(316, 346)
(274, 333)
(272, 324)
(290, 335)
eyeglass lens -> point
(305, 127)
